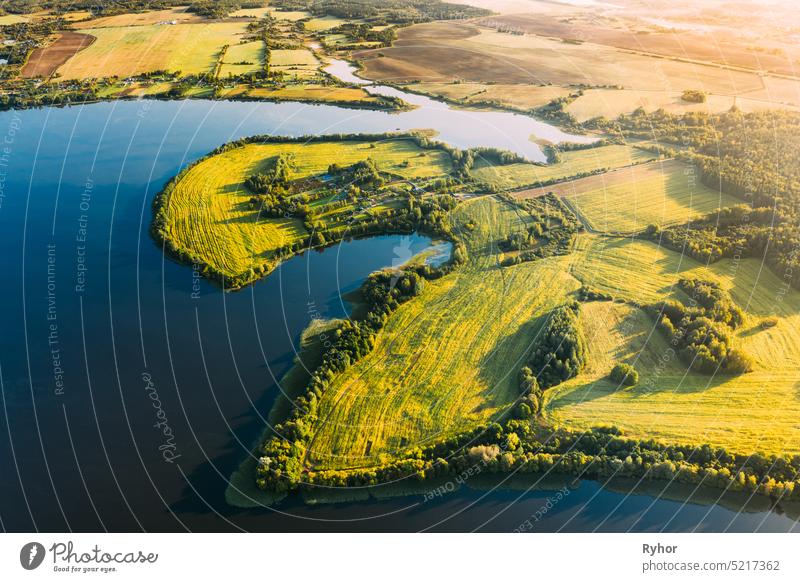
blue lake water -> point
(106, 345)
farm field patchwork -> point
(629, 199)
(572, 163)
(126, 51)
(179, 14)
(133, 54)
(243, 58)
(440, 52)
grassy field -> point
(448, 359)
(316, 93)
(299, 64)
(639, 270)
(125, 51)
(250, 12)
(291, 16)
(324, 23)
(572, 163)
(651, 39)
(776, 90)
(8, 19)
(289, 57)
(208, 212)
(611, 103)
(251, 52)
(143, 18)
(629, 199)
(753, 412)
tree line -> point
(560, 351)
(702, 332)
(601, 452)
(755, 156)
(382, 12)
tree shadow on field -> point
(753, 330)
(235, 188)
(499, 368)
(249, 218)
(661, 370)
(581, 394)
(604, 387)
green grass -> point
(251, 12)
(334, 40)
(251, 52)
(297, 64)
(291, 16)
(292, 57)
(325, 23)
(8, 19)
(446, 360)
(753, 412)
(130, 50)
(316, 93)
(627, 200)
(449, 359)
(208, 214)
(514, 176)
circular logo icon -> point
(31, 555)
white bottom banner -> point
(398, 557)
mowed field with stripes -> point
(748, 413)
(448, 359)
(628, 199)
(208, 213)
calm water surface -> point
(465, 127)
(106, 344)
